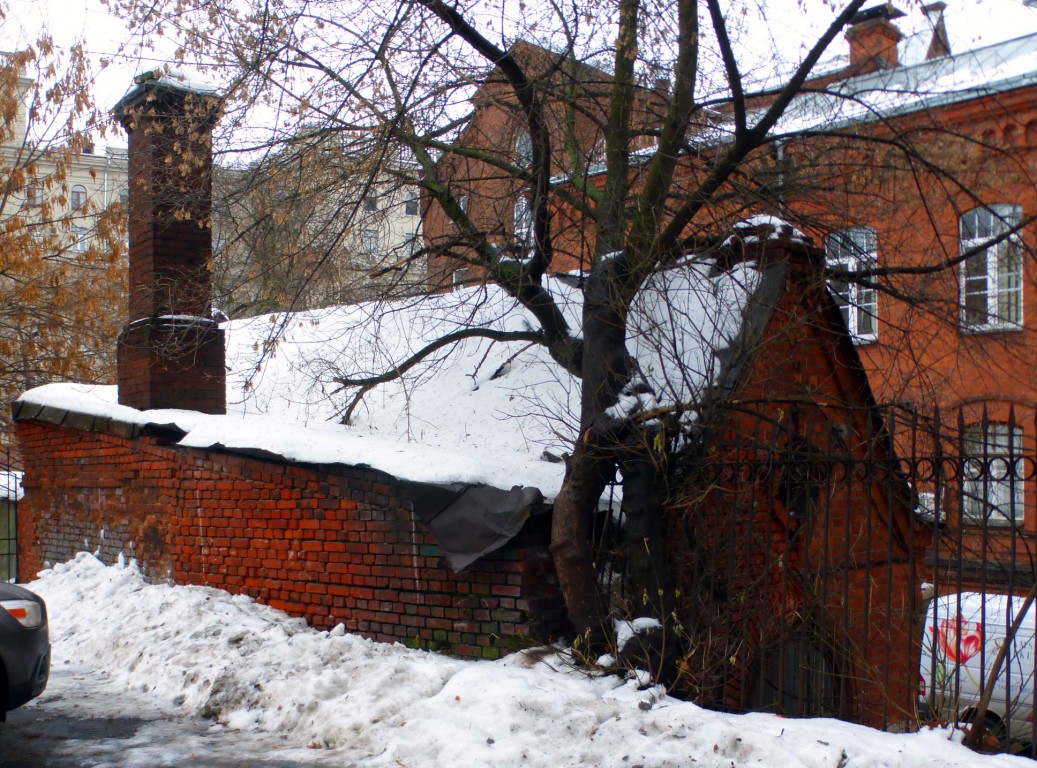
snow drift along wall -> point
(332, 544)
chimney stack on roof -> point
(171, 354)
(939, 45)
(873, 39)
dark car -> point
(24, 647)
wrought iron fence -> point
(826, 562)
(10, 492)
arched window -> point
(78, 197)
(992, 275)
(993, 485)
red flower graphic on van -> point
(959, 640)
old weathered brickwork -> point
(332, 544)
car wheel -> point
(993, 736)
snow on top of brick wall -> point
(480, 412)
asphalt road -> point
(86, 721)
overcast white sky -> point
(783, 25)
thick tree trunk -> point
(585, 479)
(605, 371)
(647, 583)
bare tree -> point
(632, 136)
(312, 223)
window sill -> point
(1000, 526)
(979, 330)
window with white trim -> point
(369, 241)
(854, 249)
(410, 204)
(993, 485)
(523, 221)
(460, 277)
(80, 240)
(991, 278)
(524, 148)
(78, 197)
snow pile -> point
(371, 704)
(682, 324)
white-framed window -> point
(34, 195)
(371, 203)
(854, 249)
(78, 199)
(993, 466)
(523, 220)
(80, 239)
(524, 148)
(411, 205)
(460, 277)
(369, 241)
(991, 278)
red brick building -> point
(486, 179)
(946, 325)
(793, 535)
(919, 162)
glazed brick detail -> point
(333, 544)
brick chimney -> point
(939, 44)
(171, 354)
(873, 39)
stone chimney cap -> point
(885, 11)
(159, 81)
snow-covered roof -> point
(917, 87)
(481, 412)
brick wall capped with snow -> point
(333, 544)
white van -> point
(962, 635)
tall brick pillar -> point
(171, 354)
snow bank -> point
(251, 667)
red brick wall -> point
(842, 576)
(332, 544)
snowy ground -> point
(336, 699)
(86, 720)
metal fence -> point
(10, 491)
(826, 562)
